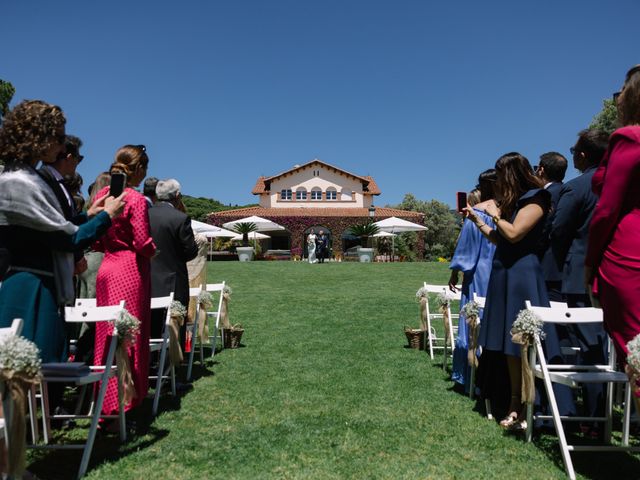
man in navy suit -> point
(569, 233)
(551, 170)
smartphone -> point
(461, 200)
(118, 182)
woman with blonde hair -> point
(125, 274)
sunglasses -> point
(80, 157)
(573, 150)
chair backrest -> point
(481, 301)
(91, 314)
(86, 302)
(443, 289)
(568, 315)
(195, 291)
(215, 287)
(158, 303)
(14, 329)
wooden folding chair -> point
(161, 345)
(574, 376)
(98, 374)
(217, 330)
(193, 293)
(431, 334)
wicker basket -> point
(232, 337)
(415, 337)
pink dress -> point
(614, 233)
(125, 275)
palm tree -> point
(245, 228)
(364, 231)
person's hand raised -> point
(113, 206)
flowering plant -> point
(127, 327)
(471, 309)
(19, 356)
(527, 326)
(422, 293)
(443, 300)
(205, 299)
(633, 358)
(178, 309)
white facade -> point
(316, 185)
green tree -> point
(364, 231)
(6, 94)
(442, 223)
(607, 118)
(199, 208)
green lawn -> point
(325, 388)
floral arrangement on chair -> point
(19, 369)
(471, 312)
(444, 303)
(526, 327)
(178, 313)
(128, 328)
(633, 363)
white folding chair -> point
(431, 334)
(98, 374)
(574, 376)
(7, 406)
(162, 345)
(193, 293)
(217, 331)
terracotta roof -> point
(259, 187)
(381, 212)
(263, 183)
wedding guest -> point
(516, 274)
(473, 257)
(612, 262)
(569, 244)
(474, 197)
(149, 190)
(551, 170)
(172, 233)
(34, 230)
(125, 275)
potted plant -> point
(245, 252)
(364, 231)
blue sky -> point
(421, 95)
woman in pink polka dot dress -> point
(125, 274)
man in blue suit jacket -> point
(569, 234)
(551, 170)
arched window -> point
(316, 193)
(285, 194)
(301, 193)
(346, 194)
(331, 194)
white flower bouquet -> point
(443, 300)
(19, 356)
(178, 309)
(471, 310)
(526, 326)
(227, 289)
(205, 299)
(128, 327)
(633, 357)
(422, 293)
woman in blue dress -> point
(516, 275)
(473, 257)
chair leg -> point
(627, 414)
(33, 414)
(487, 409)
(608, 426)
(173, 380)
(46, 422)
(156, 396)
(430, 337)
(472, 382)
(121, 414)
(193, 349)
(214, 341)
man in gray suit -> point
(569, 234)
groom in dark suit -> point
(172, 233)
(322, 244)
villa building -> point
(315, 196)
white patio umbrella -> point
(252, 236)
(262, 224)
(397, 225)
(210, 231)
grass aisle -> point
(324, 389)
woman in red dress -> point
(613, 257)
(125, 274)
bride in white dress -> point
(311, 247)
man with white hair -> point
(172, 233)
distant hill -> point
(199, 207)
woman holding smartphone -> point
(125, 272)
(516, 275)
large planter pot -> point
(365, 255)
(245, 254)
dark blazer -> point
(171, 232)
(68, 211)
(550, 269)
(570, 230)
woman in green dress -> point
(39, 265)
